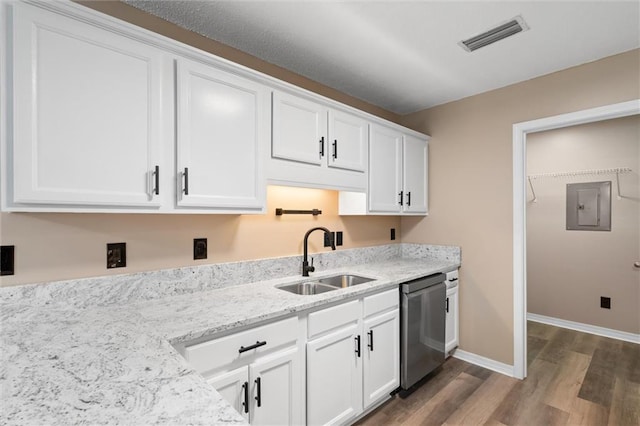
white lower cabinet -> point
(451, 320)
(258, 371)
(352, 357)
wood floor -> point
(573, 378)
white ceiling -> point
(403, 55)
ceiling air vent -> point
(514, 26)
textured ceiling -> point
(403, 55)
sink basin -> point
(307, 288)
(344, 281)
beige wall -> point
(568, 271)
(470, 183)
(54, 246)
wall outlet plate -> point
(7, 255)
(605, 302)
(199, 248)
(393, 234)
(116, 255)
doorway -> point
(520, 131)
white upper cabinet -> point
(87, 114)
(398, 172)
(299, 129)
(315, 145)
(415, 160)
(222, 126)
(347, 141)
(385, 170)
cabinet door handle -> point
(186, 181)
(401, 194)
(447, 307)
(408, 198)
(245, 403)
(358, 345)
(322, 147)
(335, 149)
(156, 175)
(255, 345)
(370, 333)
(258, 397)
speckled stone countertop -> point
(66, 362)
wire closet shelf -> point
(616, 170)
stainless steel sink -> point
(344, 280)
(307, 288)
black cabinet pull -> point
(322, 147)
(447, 305)
(408, 198)
(245, 403)
(156, 174)
(401, 197)
(186, 181)
(358, 345)
(370, 333)
(248, 348)
(335, 149)
(258, 391)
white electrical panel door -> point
(299, 129)
(347, 144)
(415, 175)
(222, 127)
(385, 170)
(87, 114)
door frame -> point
(520, 131)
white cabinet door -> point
(221, 132)
(87, 113)
(231, 387)
(334, 377)
(415, 159)
(451, 320)
(277, 391)
(382, 356)
(299, 129)
(385, 170)
(348, 136)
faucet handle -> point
(311, 267)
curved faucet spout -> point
(306, 268)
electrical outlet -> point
(328, 238)
(199, 248)
(7, 260)
(393, 234)
(116, 255)
(339, 238)
(605, 302)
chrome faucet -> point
(306, 268)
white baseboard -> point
(487, 363)
(586, 328)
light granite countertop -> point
(115, 364)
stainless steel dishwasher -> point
(422, 328)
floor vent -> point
(514, 26)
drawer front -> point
(225, 351)
(382, 302)
(333, 317)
